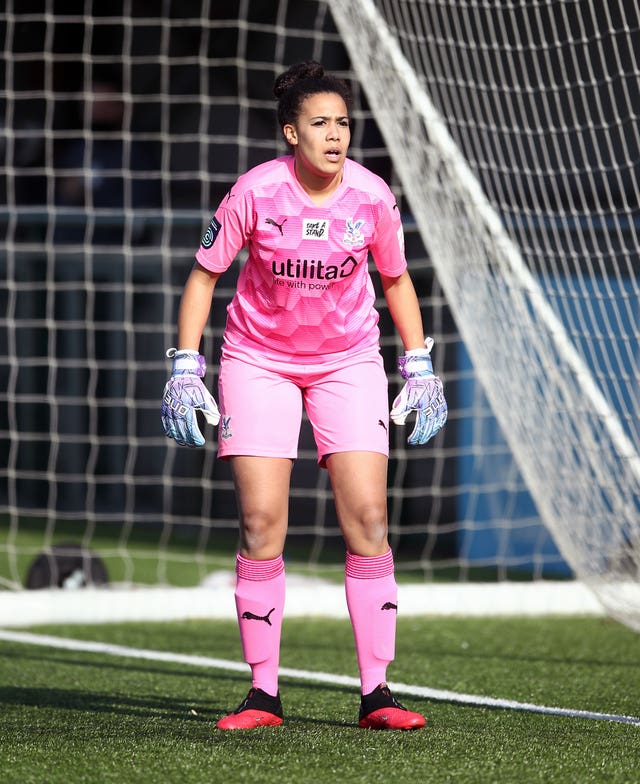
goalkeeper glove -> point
(422, 393)
(184, 395)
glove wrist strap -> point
(187, 362)
(417, 361)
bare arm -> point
(404, 309)
(195, 306)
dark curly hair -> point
(299, 82)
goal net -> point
(513, 127)
(507, 133)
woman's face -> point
(321, 135)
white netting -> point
(104, 207)
(521, 118)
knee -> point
(374, 516)
(368, 531)
(261, 535)
(375, 530)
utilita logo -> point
(313, 269)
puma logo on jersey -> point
(382, 424)
(279, 226)
(249, 616)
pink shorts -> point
(346, 401)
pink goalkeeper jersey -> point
(305, 289)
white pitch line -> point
(438, 695)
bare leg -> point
(262, 491)
(359, 481)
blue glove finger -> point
(426, 427)
(178, 419)
(420, 431)
(431, 416)
(175, 430)
(169, 429)
(182, 429)
(169, 421)
(192, 435)
(175, 427)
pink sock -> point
(372, 599)
(260, 590)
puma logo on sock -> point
(389, 606)
(249, 616)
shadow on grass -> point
(160, 707)
(100, 702)
(146, 706)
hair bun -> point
(310, 69)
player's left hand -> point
(422, 393)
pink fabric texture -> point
(305, 289)
(372, 599)
(260, 594)
(261, 406)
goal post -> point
(575, 445)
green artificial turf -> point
(71, 716)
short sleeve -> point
(228, 232)
(387, 246)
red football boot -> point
(258, 709)
(379, 710)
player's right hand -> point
(185, 395)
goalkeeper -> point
(302, 330)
